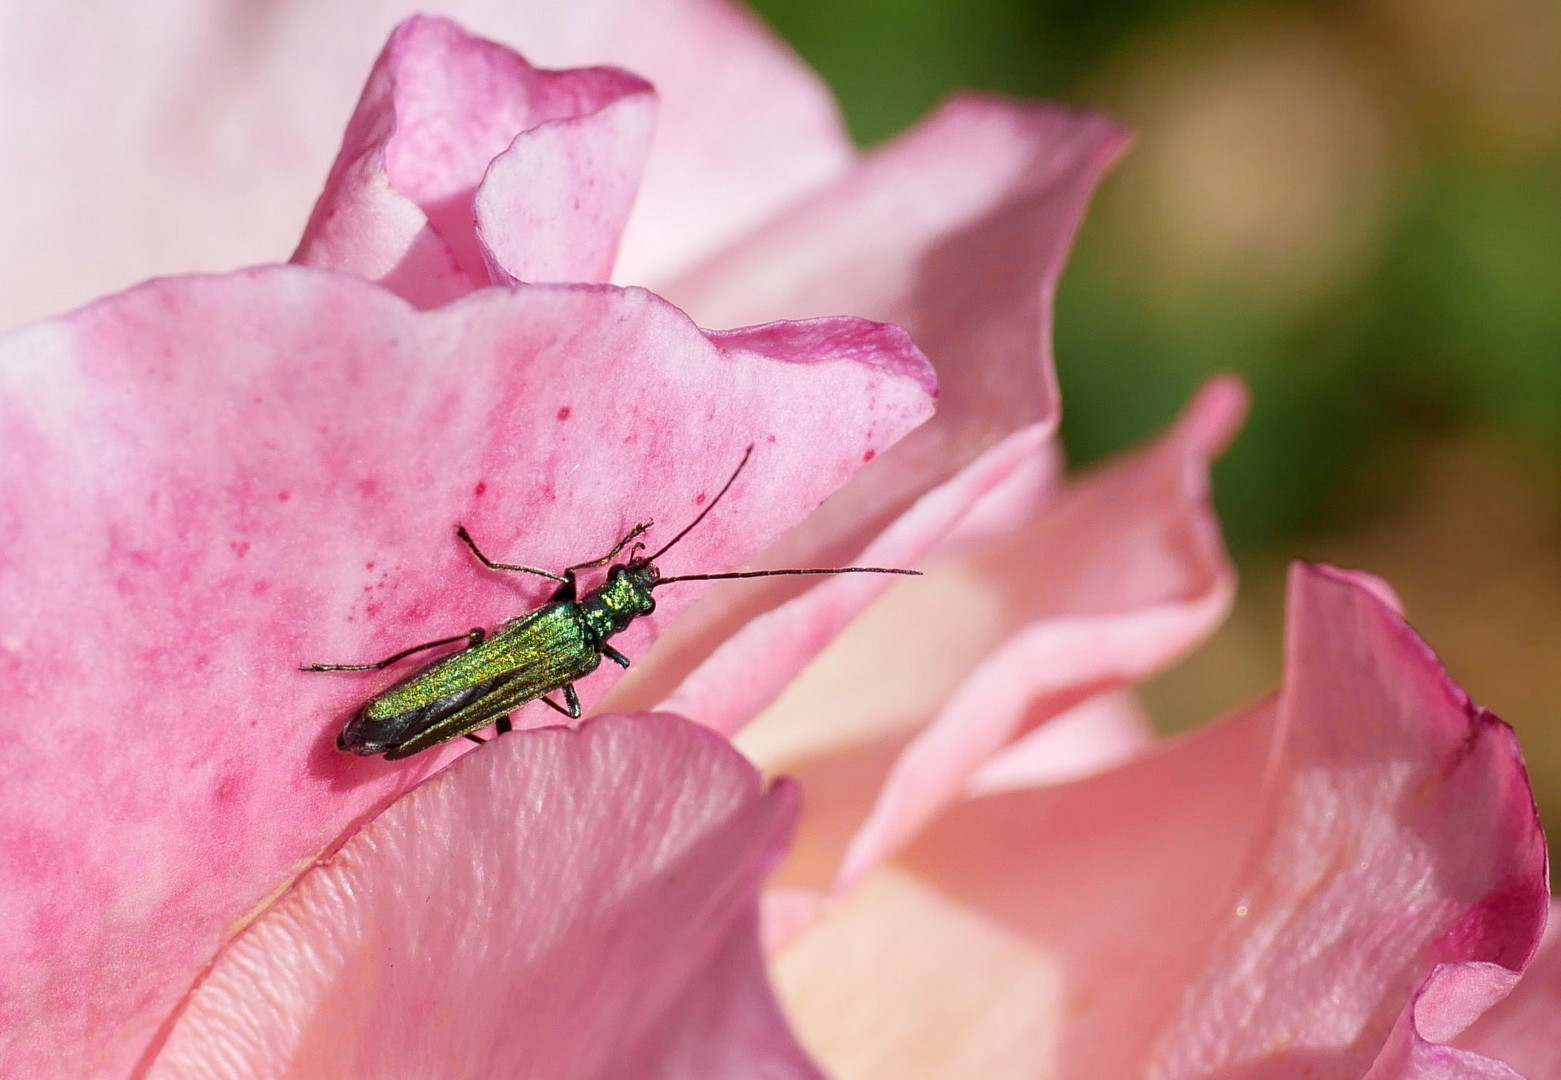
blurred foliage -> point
(1356, 205)
(1455, 319)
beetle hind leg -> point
(472, 637)
(571, 699)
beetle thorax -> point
(622, 598)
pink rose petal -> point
(1404, 848)
(171, 137)
(439, 107)
(201, 491)
(957, 231)
(1268, 897)
(1117, 579)
(1521, 1029)
(1093, 736)
(589, 924)
(552, 206)
(747, 668)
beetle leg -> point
(466, 537)
(474, 636)
(633, 534)
(615, 656)
(571, 699)
(503, 726)
(478, 739)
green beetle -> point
(526, 658)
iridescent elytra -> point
(528, 657)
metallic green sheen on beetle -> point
(528, 657)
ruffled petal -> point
(589, 924)
(206, 482)
(401, 206)
(231, 114)
(1521, 1029)
(552, 206)
(1268, 896)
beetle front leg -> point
(615, 656)
(602, 560)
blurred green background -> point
(1356, 206)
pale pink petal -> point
(552, 206)
(1267, 897)
(1413, 1051)
(1522, 1029)
(439, 107)
(958, 232)
(746, 660)
(539, 909)
(206, 482)
(1119, 578)
(179, 135)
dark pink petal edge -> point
(1449, 898)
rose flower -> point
(208, 482)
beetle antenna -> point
(724, 488)
(777, 573)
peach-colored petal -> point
(1091, 737)
(1521, 1030)
(206, 482)
(786, 911)
(439, 107)
(180, 135)
(1031, 933)
(1266, 897)
(1116, 580)
(587, 924)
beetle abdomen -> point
(367, 733)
